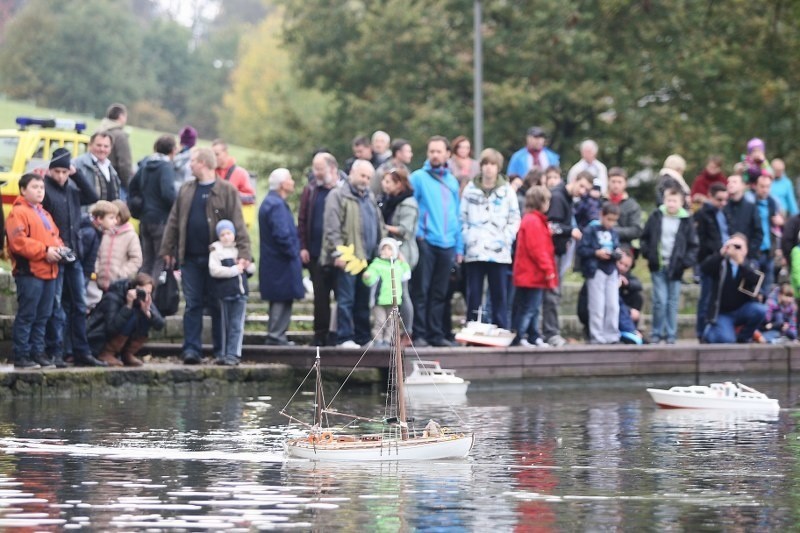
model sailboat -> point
(397, 440)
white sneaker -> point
(556, 340)
(540, 343)
(524, 342)
(348, 344)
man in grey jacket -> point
(352, 219)
(200, 205)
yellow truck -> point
(31, 146)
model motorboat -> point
(727, 395)
(396, 437)
(484, 334)
(428, 378)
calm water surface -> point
(560, 459)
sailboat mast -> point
(318, 397)
(398, 359)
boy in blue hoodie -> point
(669, 244)
(599, 251)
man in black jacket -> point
(121, 322)
(713, 229)
(733, 297)
(559, 216)
(744, 216)
(66, 190)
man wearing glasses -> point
(735, 287)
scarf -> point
(616, 198)
(535, 154)
(390, 203)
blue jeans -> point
(233, 315)
(706, 284)
(525, 313)
(34, 308)
(352, 309)
(766, 265)
(475, 273)
(666, 293)
(723, 331)
(430, 282)
(69, 307)
(198, 291)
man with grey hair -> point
(352, 227)
(590, 164)
(380, 148)
(280, 273)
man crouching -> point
(121, 322)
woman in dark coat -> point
(280, 273)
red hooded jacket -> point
(535, 262)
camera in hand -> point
(141, 295)
(67, 255)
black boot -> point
(88, 360)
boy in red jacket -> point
(34, 245)
(534, 267)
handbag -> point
(168, 297)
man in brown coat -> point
(200, 205)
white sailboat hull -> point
(415, 449)
(682, 400)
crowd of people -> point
(458, 223)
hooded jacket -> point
(28, 240)
(119, 256)
(534, 262)
(155, 181)
(489, 221)
(438, 202)
(684, 251)
(222, 267)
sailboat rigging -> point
(399, 440)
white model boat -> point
(483, 334)
(726, 395)
(397, 439)
(428, 378)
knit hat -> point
(225, 224)
(188, 136)
(392, 243)
(60, 159)
(754, 143)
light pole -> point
(477, 78)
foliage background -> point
(646, 78)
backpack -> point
(135, 197)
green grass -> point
(141, 139)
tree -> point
(645, 78)
(266, 107)
(77, 57)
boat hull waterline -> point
(448, 390)
(678, 400)
(454, 446)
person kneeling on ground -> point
(734, 312)
(121, 322)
